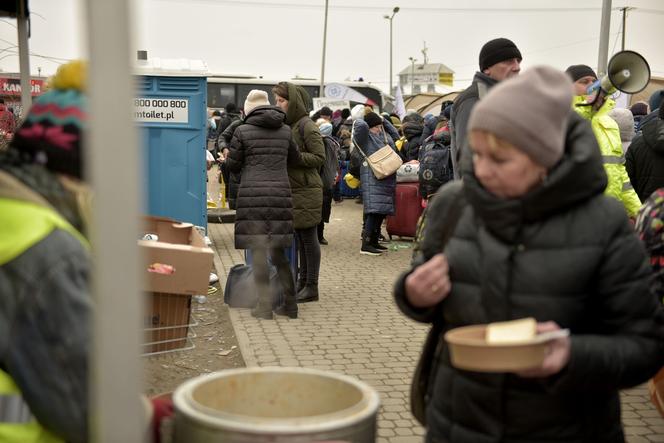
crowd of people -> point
(542, 229)
(549, 182)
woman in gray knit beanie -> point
(531, 234)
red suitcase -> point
(407, 208)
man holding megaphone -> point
(628, 72)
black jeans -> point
(309, 250)
(372, 224)
(262, 273)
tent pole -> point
(24, 58)
(113, 165)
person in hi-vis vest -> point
(596, 111)
(45, 304)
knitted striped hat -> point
(52, 130)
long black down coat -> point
(261, 149)
(563, 252)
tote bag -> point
(383, 162)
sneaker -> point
(322, 241)
(208, 242)
(381, 238)
(370, 250)
(213, 278)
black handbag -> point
(425, 370)
(356, 159)
(240, 290)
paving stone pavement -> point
(356, 329)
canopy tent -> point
(428, 103)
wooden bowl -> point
(469, 350)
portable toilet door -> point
(171, 110)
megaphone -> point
(628, 72)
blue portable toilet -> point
(170, 109)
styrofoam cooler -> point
(408, 172)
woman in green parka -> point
(306, 185)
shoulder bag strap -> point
(355, 143)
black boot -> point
(374, 242)
(321, 228)
(367, 247)
(309, 293)
(289, 307)
(301, 283)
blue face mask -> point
(594, 87)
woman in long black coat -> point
(261, 149)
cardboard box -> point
(185, 261)
(175, 267)
(167, 321)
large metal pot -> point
(276, 405)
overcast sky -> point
(279, 39)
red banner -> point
(12, 86)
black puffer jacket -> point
(261, 149)
(412, 130)
(645, 159)
(563, 252)
(463, 105)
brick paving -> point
(356, 329)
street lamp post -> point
(412, 74)
(321, 93)
(390, 17)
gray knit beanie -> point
(625, 121)
(529, 111)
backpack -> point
(328, 172)
(435, 164)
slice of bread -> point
(511, 331)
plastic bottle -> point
(200, 298)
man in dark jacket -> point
(655, 101)
(230, 115)
(261, 150)
(231, 180)
(499, 59)
(644, 160)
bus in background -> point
(222, 90)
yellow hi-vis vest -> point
(24, 224)
(17, 425)
(608, 137)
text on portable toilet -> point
(161, 110)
